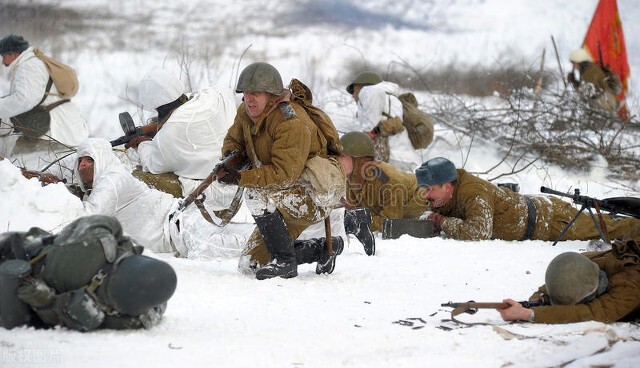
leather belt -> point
(531, 219)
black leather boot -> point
(356, 222)
(276, 237)
(315, 250)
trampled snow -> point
(378, 311)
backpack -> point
(302, 95)
(64, 77)
(418, 123)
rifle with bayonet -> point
(625, 206)
(235, 160)
(472, 307)
(131, 130)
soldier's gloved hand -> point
(437, 220)
(228, 175)
(36, 293)
(135, 141)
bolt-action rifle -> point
(235, 160)
(131, 130)
(472, 307)
(625, 206)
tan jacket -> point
(621, 301)
(387, 191)
(277, 145)
(480, 210)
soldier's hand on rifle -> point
(135, 141)
(516, 312)
(228, 175)
(44, 178)
(436, 218)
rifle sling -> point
(205, 213)
(44, 97)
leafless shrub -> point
(474, 81)
(563, 129)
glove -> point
(228, 175)
(36, 293)
(135, 141)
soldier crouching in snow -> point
(290, 166)
(86, 277)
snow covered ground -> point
(376, 311)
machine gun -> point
(131, 130)
(625, 206)
(472, 307)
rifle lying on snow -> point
(472, 307)
(131, 130)
(625, 206)
(235, 160)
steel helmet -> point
(260, 77)
(570, 278)
(579, 55)
(364, 78)
(138, 284)
(357, 144)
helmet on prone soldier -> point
(260, 77)
(357, 144)
(570, 278)
(138, 284)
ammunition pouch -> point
(33, 123)
(394, 228)
(78, 311)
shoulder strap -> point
(46, 91)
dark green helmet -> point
(357, 144)
(260, 77)
(138, 284)
(570, 278)
(364, 78)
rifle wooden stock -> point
(472, 307)
(234, 160)
(44, 178)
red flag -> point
(605, 42)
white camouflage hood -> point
(100, 150)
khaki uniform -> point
(605, 85)
(281, 146)
(480, 210)
(386, 191)
(621, 301)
